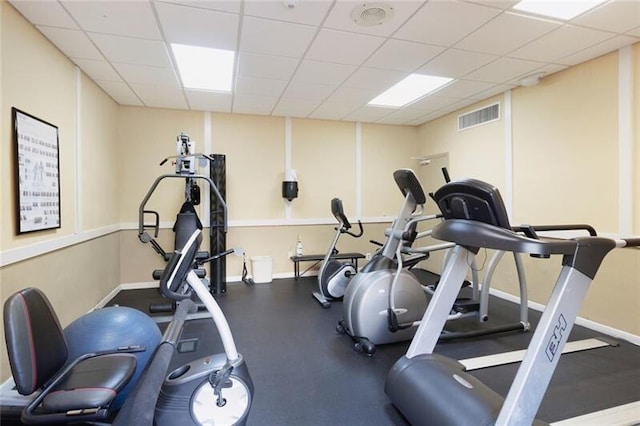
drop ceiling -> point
(308, 58)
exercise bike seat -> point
(81, 390)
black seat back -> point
(35, 343)
(187, 221)
(472, 199)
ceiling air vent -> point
(479, 116)
(371, 14)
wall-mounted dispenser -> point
(290, 185)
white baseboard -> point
(592, 325)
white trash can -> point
(262, 269)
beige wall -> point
(385, 149)
(324, 157)
(323, 153)
(39, 80)
(565, 154)
(477, 151)
(49, 96)
(100, 182)
(254, 153)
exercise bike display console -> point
(432, 389)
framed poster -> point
(37, 173)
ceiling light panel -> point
(204, 68)
(409, 89)
(565, 9)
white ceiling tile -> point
(127, 18)
(49, 13)
(209, 101)
(635, 32)
(445, 22)
(401, 116)
(402, 55)
(132, 50)
(264, 66)
(144, 74)
(97, 69)
(207, 28)
(232, 6)
(288, 107)
(340, 17)
(427, 117)
(309, 91)
(160, 96)
(120, 92)
(458, 105)
(375, 79)
(322, 72)
(253, 104)
(259, 86)
(456, 63)
(464, 88)
(275, 37)
(504, 69)
(432, 103)
(73, 43)
(505, 33)
(618, 16)
(342, 47)
(599, 49)
(332, 110)
(369, 113)
(310, 12)
(495, 90)
(560, 43)
(353, 95)
(500, 4)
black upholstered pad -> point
(35, 343)
(93, 382)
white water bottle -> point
(299, 246)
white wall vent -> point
(479, 116)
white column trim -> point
(287, 159)
(508, 154)
(358, 169)
(625, 141)
(78, 146)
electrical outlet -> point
(368, 256)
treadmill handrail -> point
(474, 234)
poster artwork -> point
(38, 173)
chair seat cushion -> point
(93, 382)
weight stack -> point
(217, 234)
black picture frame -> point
(37, 173)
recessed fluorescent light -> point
(408, 90)
(561, 9)
(204, 68)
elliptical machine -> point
(366, 299)
(335, 275)
(385, 301)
